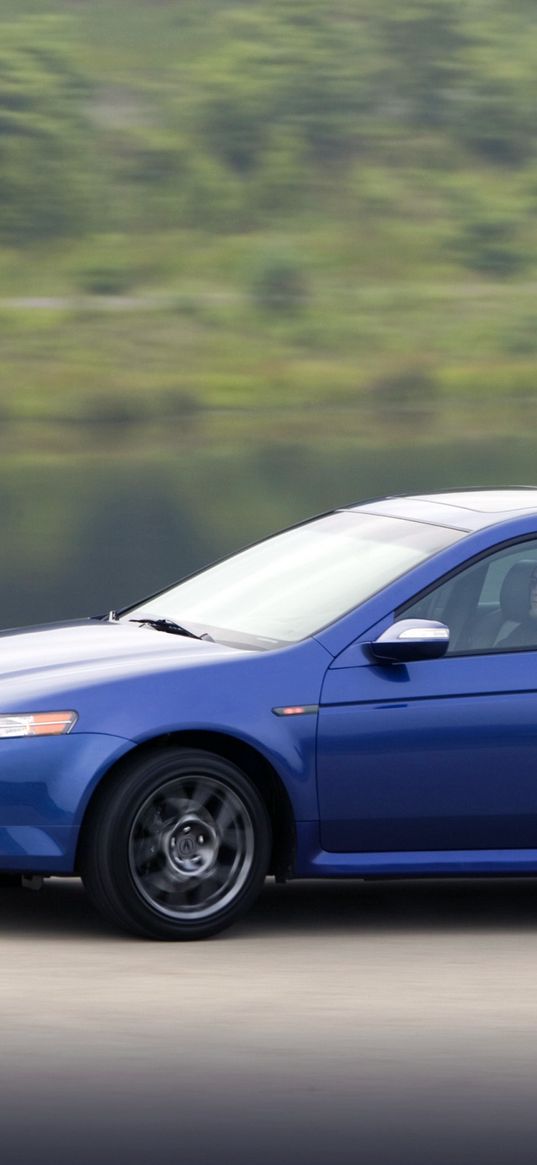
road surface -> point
(340, 1022)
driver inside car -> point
(525, 635)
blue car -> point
(355, 696)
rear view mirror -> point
(411, 639)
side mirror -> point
(411, 639)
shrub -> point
(279, 284)
(406, 394)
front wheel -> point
(179, 848)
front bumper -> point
(45, 786)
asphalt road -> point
(340, 1022)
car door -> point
(438, 754)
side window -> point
(489, 606)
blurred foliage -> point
(45, 134)
(279, 284)
(286, 233)
(109, 266)
(224, 115)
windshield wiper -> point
(170, 626)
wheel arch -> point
(247, 758)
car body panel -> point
(427, 767)
(314, 862)
(172, 684)
(45, 783)
(462, 509)
(435, 754)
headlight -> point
(37, 723)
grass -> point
(352, 318)
(203, 349)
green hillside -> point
(283, 203)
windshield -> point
(294, 584)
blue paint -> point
(424, 768)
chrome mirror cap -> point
(411, 639)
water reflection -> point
(80, 537)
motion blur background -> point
(257, 259)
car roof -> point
(466, 509)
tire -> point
(10, 881)
(178, 848)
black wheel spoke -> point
(200, 794)
(191, 847)
(224, 817)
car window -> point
(294, 584)
(489, 606)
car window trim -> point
(476, 558)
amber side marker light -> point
(37, 723)
(296, 710)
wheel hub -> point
(192, 846)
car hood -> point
(93, 646)
(136, 683)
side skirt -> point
(314, 862)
